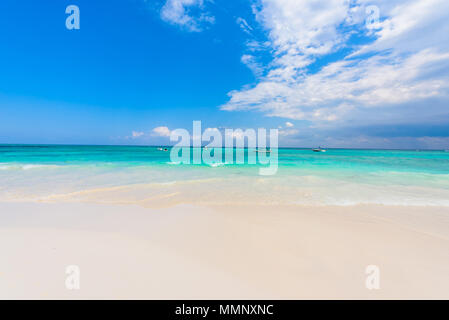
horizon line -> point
(170, 146)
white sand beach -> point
(222, 252)
(228, 150)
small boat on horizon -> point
(319, 149)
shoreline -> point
(223, 252)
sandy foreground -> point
(222, 252)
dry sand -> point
(228, 252)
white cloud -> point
(288, 132)
(289, 124)
(407, 62)
(179, 12)
(251, 62)
(300, 29)
(254, 45)
(162, 131)
(137, 134)
(411, 25)
(244, 25)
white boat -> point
(319, 149)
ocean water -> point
(147, 176)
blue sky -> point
(137, 69)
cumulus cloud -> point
(161, 131)
(188, 14)
(289, 124)
(403, 67)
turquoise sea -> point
(139, 174)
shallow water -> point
(128, 174)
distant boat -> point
(319, 149)
(263, 151)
